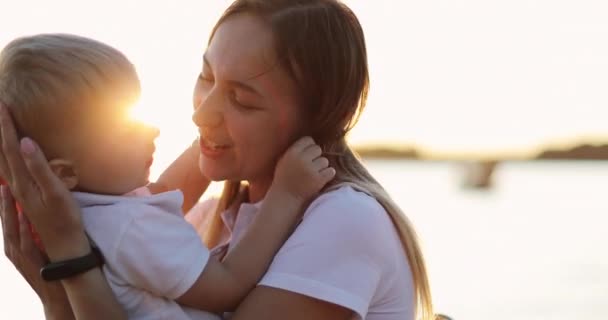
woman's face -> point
(245, 104)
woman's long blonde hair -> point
(321, 44)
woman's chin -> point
(212, 172)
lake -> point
(534, 246)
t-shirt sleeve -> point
(160, 252)
(199, 216)
(336, 253)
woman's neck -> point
(258, 189)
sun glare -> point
(145, 112)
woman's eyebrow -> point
(234, 83)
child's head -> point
(73, 96)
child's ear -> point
(64, 170)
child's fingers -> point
(327, 174)
(302, 143)
(320, 163)
(312, 152)
(157, 187)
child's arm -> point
(184, 174)
(299, 176)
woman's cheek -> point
(256, 139)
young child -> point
(72, 95)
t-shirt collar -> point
(170, 201)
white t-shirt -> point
(152, 255)
(345, 251)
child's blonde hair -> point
(49, 81)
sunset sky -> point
(455, 78)
(461, 76)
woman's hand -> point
(43, 197)
(20, 249)
(55, 215)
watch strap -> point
(68, 268)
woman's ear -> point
(65, 171)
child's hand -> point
(302, 171)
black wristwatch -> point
(69, 268)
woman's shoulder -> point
(341, 225)
(350, 209)
(346, 197)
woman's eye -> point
(234, 99)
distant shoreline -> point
(579, 152)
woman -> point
(274, 70)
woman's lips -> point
(212, 150)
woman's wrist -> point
(58, 311)
(91, 297)
(55, 303)
(67, 246)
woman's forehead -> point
(242, 48)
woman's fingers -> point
(19, 245)
(10, 224)
(4, 172)
(39, 170)
(47, 202)
(27, 244)
(25, 236)
(15, 166)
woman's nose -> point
(206, 114)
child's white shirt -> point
(152, 255)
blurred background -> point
(487, 123)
